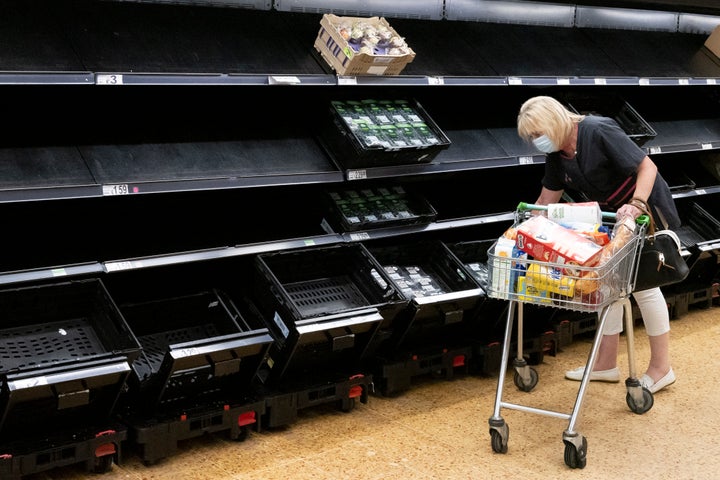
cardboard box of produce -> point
(362, 46)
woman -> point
(592, 156)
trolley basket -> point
(572, 287)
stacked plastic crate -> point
(65, 357)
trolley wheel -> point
(496, 440)
(103, 464)
(648, 401)
(243, 434)
(349, 406)
(574, 457)
(520, 382)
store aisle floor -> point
(439, 429)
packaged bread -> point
(623, 232)
(588, 282)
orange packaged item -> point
(547, 241)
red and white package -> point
(547, 241)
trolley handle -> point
(641, 220)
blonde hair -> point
(545, 115)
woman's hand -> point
(628, 210)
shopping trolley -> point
(527, 280)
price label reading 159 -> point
(119, 189)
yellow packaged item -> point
(529, 293)
(551, 279)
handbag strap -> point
(645, 210)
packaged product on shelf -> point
(362, 46)
(381, 132)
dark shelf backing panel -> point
(685, 132)
(688, 171)
(444, 47)
(166, 162)
(656, 54)
(41, 167)
(470, 145)
(33, 40)
(115, 228)
(131, 37)
(520, 50)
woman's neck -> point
(569, 150)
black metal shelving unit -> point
(161, 148)
(124, 110)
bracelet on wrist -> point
(640, 204)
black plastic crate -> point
(584, 325)
(397, 375)
(98, 447)
(681, 297)
(196, 349)
(284, 406)
(156, 438)
(351, 209)
(323, 306)
(65, 355)
(615, 107)
(441, 292)
(563, 332)
(376, 133)
(703, 222)
(473, 255)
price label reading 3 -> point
(105, 79)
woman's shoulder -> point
(600, 124)
(598, 120)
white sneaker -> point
(647, 381)
(611, 375)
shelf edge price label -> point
(644, 81)
(359, 236)
(108, 79)
(601, 81)
(683, 81)
(347, 80)
(357, 174)
(706, 146)
(711, 81)
(562, 81)
(654, 150)
(58, 272)
(515, 81)
(119, 266)
(283, 80)
(118, 189)
(435, 81)
(526, 160)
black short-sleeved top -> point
(604, 170)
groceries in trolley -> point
(571, 264)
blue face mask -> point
(544, 144)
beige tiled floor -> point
(439, 429)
